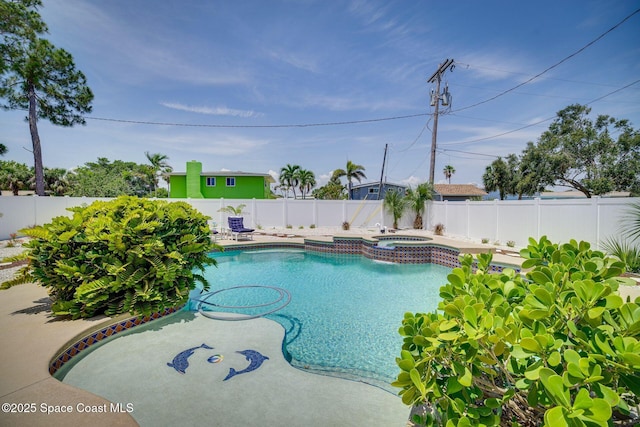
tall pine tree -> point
(38, 77)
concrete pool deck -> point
(30, 337)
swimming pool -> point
(344, 310)
(341, 312)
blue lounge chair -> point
(237, 228)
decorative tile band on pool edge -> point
(95, 337)
(414, 251)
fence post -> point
(596, 211)
(285, 211)
(496, 210)
(468, 234)
(344, 211)
(35, 210)
(538, 219)
(254, 219)
(315, 212)
(221, 213)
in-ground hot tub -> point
(390, 242)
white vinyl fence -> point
(561, 220)
(592, 219)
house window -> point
(373, 190)
(231, 181)
(211, 181)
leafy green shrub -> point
(124, 255)
(558, 347)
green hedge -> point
(558, 347)
(124, 255)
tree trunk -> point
(35, 140)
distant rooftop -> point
(574, 194)
(459, 190)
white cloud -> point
(115, 44)
(275, 175)
(217, 111)
(412, 181)
(296, 60)
(352, 102)
(217, 145)
(374, 17)
(495, 66)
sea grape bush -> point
(124, 255)
(556, 347)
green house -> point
(196, 184)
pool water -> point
(344, 310)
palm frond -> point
(625, 251)
(631, 221)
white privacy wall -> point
(592, 219)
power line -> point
(539, 122)
(498, 135)
(529, 75)
(565, 59)
(426, 126)
(351, 122)
(294, 125)
(443, 150)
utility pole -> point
(384, 160)
(436, 98)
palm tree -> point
(3, 149)
(159, 166)
(55, 181)
(496, 177)
(416, 200)
(448, 172)
(15, 176)
(396, 204)
(307, 181)
(289, 177)
(353, 171)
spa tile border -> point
(408, 250)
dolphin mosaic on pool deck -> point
(254, 357)
(181, 362)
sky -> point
(255, 85)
